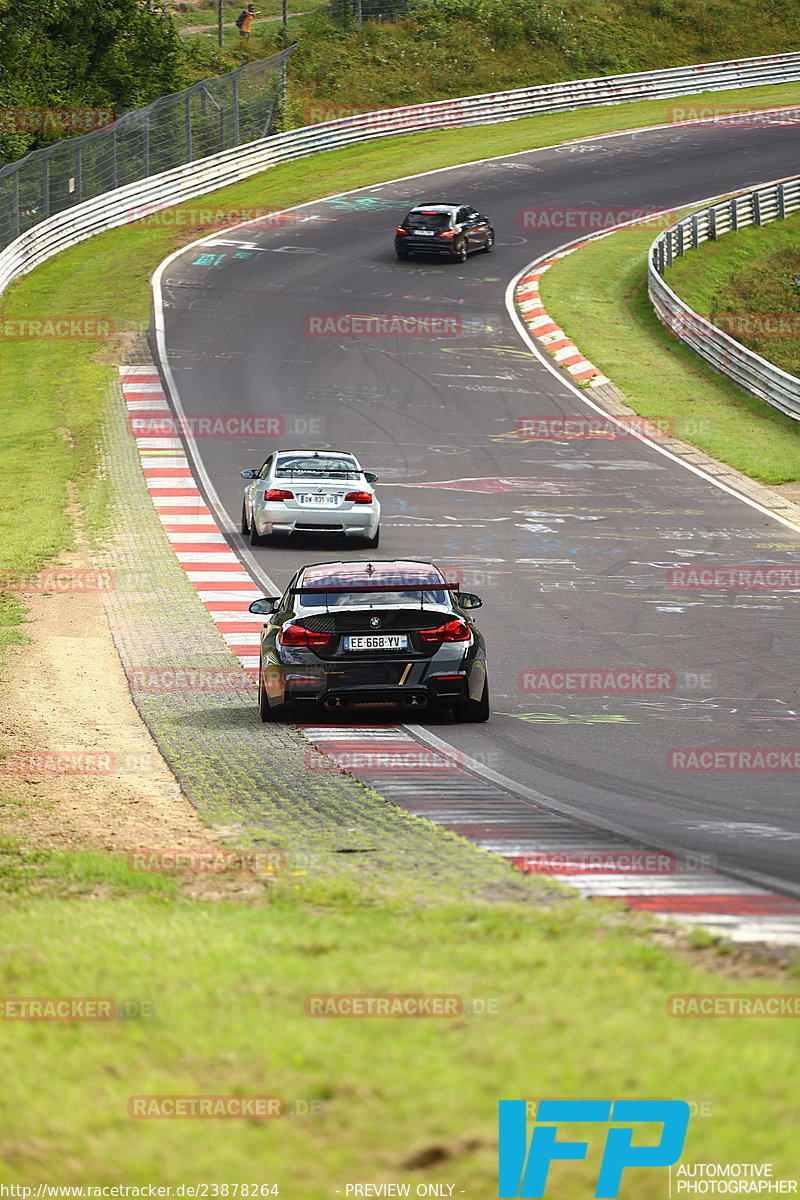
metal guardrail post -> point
(782, 201)
(734, 214)
(756, 208)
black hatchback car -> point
(371, 633)
(454, 230)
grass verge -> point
(598, 295)
(744, 278)
(577, 1007)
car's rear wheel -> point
(269, 712)
(462, 251)
(255, 537)
(489, 242)
(474, 710)
(372, 543)
(245, 528)
(401, 253)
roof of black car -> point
(398, 574)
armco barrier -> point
(751, 372)
(182, 183)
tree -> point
(116, 54)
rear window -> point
(373, 599)
(341, 467)
(427, 220)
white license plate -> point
(377, 641)
(425, 233)
(325, 501)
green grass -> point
(581, 1001)
(598, 295)
(457, 47)
(744, 274)
(581, 987)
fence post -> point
(15, 203)
(781, 202)
(235, 107)
(695, 232)
(114, 155)
(146, 145)
(78, 173)
(46, 185)
(712, 224)
(358, 12)
(734, 215)
(285, 16)
(187, 120)
(756, 208)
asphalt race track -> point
(567, 541)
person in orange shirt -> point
(245, 20)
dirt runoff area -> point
(78, 767)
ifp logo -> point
(523, 1167)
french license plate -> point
(326, 501)
(377, 641)
(425, 233)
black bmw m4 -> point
(371, 633)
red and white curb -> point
(214, 571)
(542, 326)
(425, 781)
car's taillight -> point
(359, 497)
(298, 635)
(401, 231)
(454, 631)
(448, 233)
(278, 494)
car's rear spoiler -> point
(438, 585)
